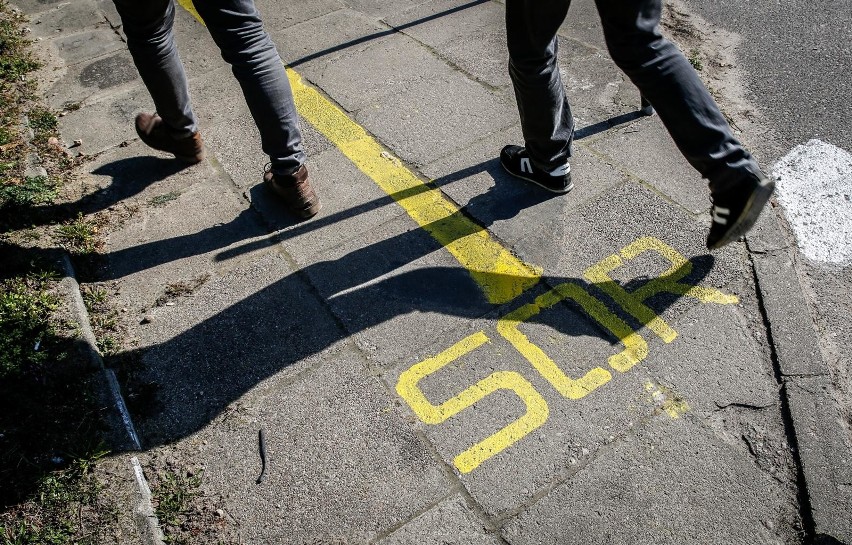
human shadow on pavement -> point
(375, 290)
(129, 177)
(503, 201)
(376, 35)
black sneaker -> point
(517, 162)
(736, 209)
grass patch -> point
(25, 310)
(43, 122)
(78, 235)
(160, 200)
(15, 58)
(174, 493)
(180, 289)
(31, 191)
(21, 196)
(695, 60)
(49, 422)
(103, 319)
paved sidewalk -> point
(444, 354)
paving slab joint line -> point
(608, 160)
(563, 477)
(493, 529)
(804, 493)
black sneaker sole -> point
(536, 182)
(749, 216)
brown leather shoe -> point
(296, 192)
(155, 134)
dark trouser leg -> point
(148, 26)
(238, 31)
(668, 81)
(548, 127)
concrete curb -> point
(817, 435)
(143, 514)
(121, 435)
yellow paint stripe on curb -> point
(500, 274)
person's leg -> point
(236, 27)
(666, 78)
(548, 127)
(148, 26)
(738, 188)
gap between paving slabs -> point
(822, 456)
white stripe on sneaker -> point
(718, 212)
(561, 171)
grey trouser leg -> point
(654, 65)
(148, 26)
(546, 120)
(236, 28)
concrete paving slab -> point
(106, 123)
(92, 80)
(217, 98)
(715, 362)
(380, 8)
(326, 37)
(511, 208)
(352, 206)
(35, 6)
(277, 15)
(567, 432)
(198, 52)
(235, 144)
(617, 219)
(789, 318)
(472, 38)
(69, 18)
(342, 463)
(767, 234)
(662, 484)
(439, 22)
(394, 288)
(86, 45)
(390, 65)
(450, 522)
(827, 288)
(646, 150)
(178, 234)
(135, 174)
(422, 125)
(597, 90)
(481, 54)
(584, 24)
(240, 327)
(824, 451)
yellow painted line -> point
(668, 282)
(536, 415)
(500, 274)
(187, 5)
(635, 348)
(667, 400)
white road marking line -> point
(814, 186)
